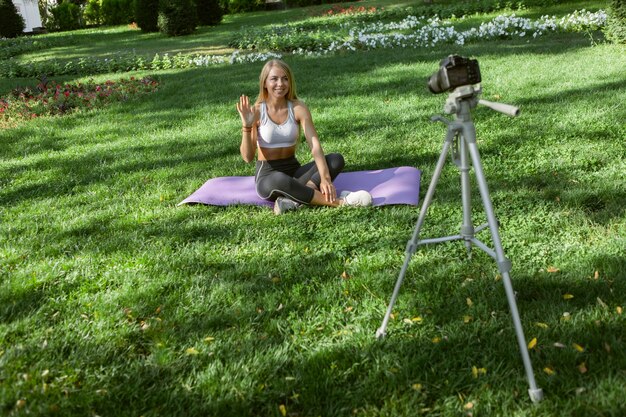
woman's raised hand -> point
(245, 111)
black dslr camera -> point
(454, 71)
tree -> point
(11, 22)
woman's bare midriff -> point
(270, 154)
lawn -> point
(116, 301)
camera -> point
(454, 71)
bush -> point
(11, 22)
(210, 12)
(147, 14)
(65, 16)
(117, 12)
(177, 17)
(93, 12)
(615, 29)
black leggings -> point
(287, 178)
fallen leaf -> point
(467, 319)
(416, 387)
(417, 319)
(348, 309)
(580, 390)
(596, 275)
(469, 302)
(20, 403)
(436, 339)
(567, 296)
(283, 410)
(607, 347)
(582, 368)
(618, 309)
(559, 345)
(578, 347)
(532, 343)
(541, 325)
(469, 406)
(407, 321)
(548, 370)
(209, 339)
(478, 371)
(552, 269)
(566, 316)
(345, 275)
(191, 351)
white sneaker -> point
(356, 198)
(284, 204)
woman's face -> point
(277, 83)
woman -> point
(271, 128)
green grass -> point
(106, 284)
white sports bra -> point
(272, 135)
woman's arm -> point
(249, 119)
(303, 116)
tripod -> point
(462, 134)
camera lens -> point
(434, 85)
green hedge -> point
(117, 12)
(65, 16)
(615, 29)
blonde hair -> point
(265, 72)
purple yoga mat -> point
(388, 186)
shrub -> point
(93, 12)
(177, 17)
(11, 22)
(147, 14)
(65, 16)
(209, 12)
(615, 29)
(117, 12)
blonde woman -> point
(271, 128)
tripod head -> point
(463, 98)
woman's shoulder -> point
(298, 105)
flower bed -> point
(314, 38)
(49, 98)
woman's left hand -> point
(328, 190)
